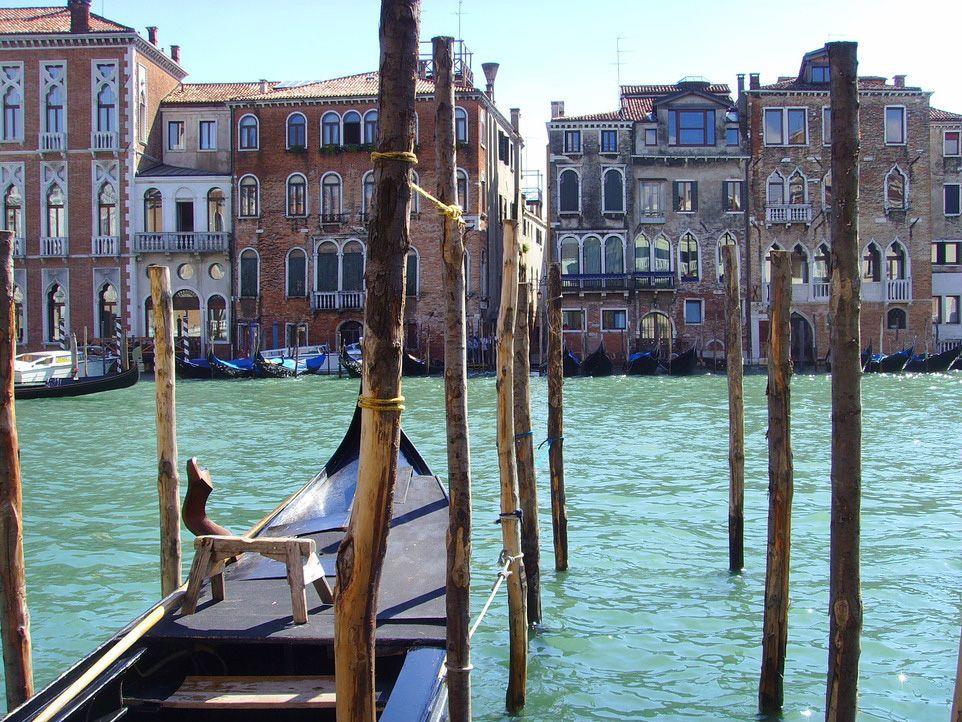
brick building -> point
(641, 199)
(946, 171)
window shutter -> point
(676, 196)
(694, 196)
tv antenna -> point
(619, 61)
(460, 12)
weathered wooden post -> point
(780, 483)
(957, 697)
(736, 411)
(559, 509)
(524, 451)
(168, 481)
(361, 554)
(15, 622)
(510, 518)
(458, 586)
(845, 596)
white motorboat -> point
(40, 366)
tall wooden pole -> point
(510, 503)
(780, 487)
(15, 622)
(458, 586)
(845, 596)
(736, 411)
(361, 554)
(559, 508)
(524, 451)
(957, 697)
(168, 481)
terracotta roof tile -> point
(866, 83)
(717, 88)
(943, 115)
(197, 93)
(20, 21)
(358, 85)
(610, 115)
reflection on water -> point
(647, 624)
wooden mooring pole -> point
(559, 508)
(458, 585)
(15, 622)
(845, 596)
(168, 481)
(736, 411)
(510, 517)
(780, 483)
(361, 554)
(957, 697)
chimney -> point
(516, 119)
(79, 15)
(557, 109)
(490, 73)
(741, 83)
(754, 81)
(152, 34)
(898, 81)
(175, 53)
(263, 85)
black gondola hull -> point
(66, 388)
(188, 369)
(221, 370)
(682, 364)
(570, 364)
(597, 363)
(642, 364)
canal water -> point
(647, 624)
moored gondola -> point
(196, 368)
(571, 366)
(243, 655)
(63, 388)
(274, 368)
(866, 357)
(681, 364)
(352, 367)
(413, 366)
(597, 363)
(642, 364)
(916, 364)
(315, 364)
(237, 369)
(941, 362)
(894, 363)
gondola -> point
(413, 366)
(315, 364)
(597, 363)
(244, 656)
(275, 368)
(939, 363)
(891, 364)
(866, 356)
(681, 364)
(642, 364)
(241, 368)
(352, 367)
(196, 368)
(64, 388)
(571, 366)
(916, 364)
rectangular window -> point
(826, 126)
(651, 136)
(572, 320)
(175, 135)
(609, 141)
(797, 126)
(951, 143)
(686, 196)
(572, 141)
(733, 196)
(208, 135)
(731, 136)
(894, 125)
(951, 309)
(650, 197)
(786, 126)
(950, 193)
(691, 127)
(936, 309)
(945, 254)
(503, 151)
(774, 127)
(693, 311)
(820, 74)
(614, 320)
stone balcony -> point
(53, 142)
(337, 300)
(582, 283)
(19, 247)
(105, 246)
(182, 242)
(888, 291)
(54, 246)
(104, 140)
(788, 213)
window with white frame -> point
(296, 131)
(826, 126)
(614, 319)
(207, 135)
(572, 141)
(894, 125)
(732, 194)
(569, 191)
(370, 127)
(352, 128)
(685, 196)
(216, 211)
(297, 195)
(786, 126)
(53, 78)
(688, 257)
(694, 311)
(107, 210)
(951, 144)
(248, 132)
(13, 210)
(775, 189)
(690, 127)
(651, 197)
(609, 141)
(797, 189)
(727, 239)
(249, 197)
(297, 273)
(175, 135)
(462, 188)
(614, 255)
(613, 193)
(249, 273)
(570, 256)
(572, 319)
(951, 199)
(330, 197)
(56, 204)
(461, 125)
(331, 129)
(951, 312)
(105, 96)
(411, 274)
(11, 95)
(367, 193)
(896, 190)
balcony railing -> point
(790, 213)
(595, 282)
(54, 246)
(654, 280)
(652, 217)
(338, 300)
(53, 141)
(821, 291)
(103, 140)
(19, 247)
(334, 219)
(182, 242)
(898, 289)
(105, 246)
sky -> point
(560, 50)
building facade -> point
(946, 172)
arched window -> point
(352, 128)
(367, 196)
(461, 125)
(54, 110)
(462, 188)
(614, 255)
(896, 319)
(331, 129)
(415, 197)
(570, 256)
(56, 313)
(297, 195)
(591, 254)
(827, 190)
(688, 257)
(296, 131)
(18, 313)
(896, 194)
(799, 264)
(330, 197)
(569, 192)
(11, 114)
(775, 189)
(411, 277)
(872, 264)
(216, 210)
(107, 299)
(296, 273)
(352, 267)
(149, 316)
(662, 257)
(727, 239)
(187, 314)
(768, 261)
(655, 327)
(895, 262)
(13, 210)
(106, 105)
(613, 199)
(249, 273)
(107, 211)
(823, 264)
(797, 189)
(248, 133)
(153, 211)
(642, 254)
(56, 212)
(142, 116)
(249, 197)
(370, 127)
(216, 319)
(325, 266)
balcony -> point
(652, 216)
(334, 219)
(898, 289)
(788, 214)
(19, 247)
(337, 300)
(821, 291)
(54, 246)
(105, 246)
(54, 142)
(103, 140)
(182, 242)
(595, 282)
(654, 280)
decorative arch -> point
(896, 319)
(775, 189)
(296, 203)
(330, 129)
(591, 255)
(797, 188)
(872, 263)
(768, 260)
(217, 319)
(614, 254)
(642, 251)
(569, 191)
(896, 189)
(216, 210)
(656, 327)
(56, 312)
(295, 273)
(108, 309)
(248, 132)
(689, 257)
(822, 265)
(897, 262)
(296, 125)
(249, 273)
(352, 265)
(249, 192)
(827, 189)
(570, 254)
(613, 191)
(153, 211)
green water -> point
(647, 624)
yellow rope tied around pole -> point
(369, 402)
(453, 211)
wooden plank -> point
(268, 546)
(295, 578)
(265, 692)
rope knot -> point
(369, 402)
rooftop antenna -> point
(460, 13)
(619, 61)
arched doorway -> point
(187, 321)
(107, 309)
(349, 332)
(655, 331)
(803, 343)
